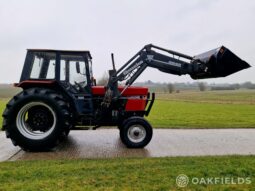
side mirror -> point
(78, 70)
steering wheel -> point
(79, 87)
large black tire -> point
(136, 132)
(37, 119)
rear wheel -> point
(136, 132)
(37, 119)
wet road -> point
(7, 150)
(105, 143)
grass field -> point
(216, 97)
(193, 109)
(8, 90)
(126, 174)
(180, 114)
(210, 109)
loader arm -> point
(219, 62)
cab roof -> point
(64, 51)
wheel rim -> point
(37, 125)
(136, 133)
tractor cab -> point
(64, 71)
(71, 69)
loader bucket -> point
(219, 62)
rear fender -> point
(36, 83)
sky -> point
(123, 27)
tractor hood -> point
(219, 62)
(130, 91)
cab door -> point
(75, 75)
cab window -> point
(43, 65)
(73, 69)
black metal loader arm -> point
(219, 62)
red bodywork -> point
(136, 96)
(131, 91)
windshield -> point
(73, 69)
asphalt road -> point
(105, 143)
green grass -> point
(180, 114)
(210, 109)
(2, 107)
(125, 174)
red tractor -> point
(60, 93)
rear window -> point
(43, 65)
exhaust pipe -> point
(219, 62)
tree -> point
(164, 89)
(202, 86)
(236, 86)
(248, 85)
(103, 80)
(170, 87)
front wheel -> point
(136, 132)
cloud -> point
(123, 27)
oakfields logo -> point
(183, 180)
